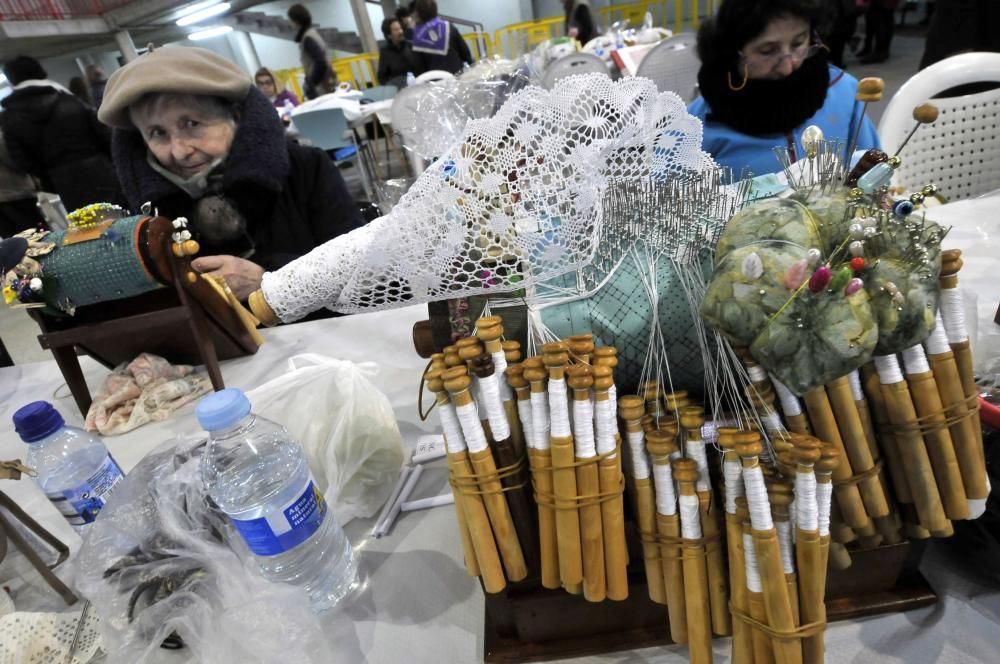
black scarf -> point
(765, 107)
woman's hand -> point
(242, 276)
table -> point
(419, 604)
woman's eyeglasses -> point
(798, 54)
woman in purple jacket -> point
(276, 92)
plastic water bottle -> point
(410, 78)
(75, 469)
(260, 478)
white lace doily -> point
(517, 201)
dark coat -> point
(292, 197)
(458, 55)
(395, 62)
(53, 136)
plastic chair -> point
(577, 63)
(959, 152)
(433, 75)
(327, 129)
(673, 65)
(379, 93)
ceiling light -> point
(202, 14)
(208, 33)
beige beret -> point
(173, 69)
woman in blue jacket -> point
(764, 78)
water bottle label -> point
(81, 505)
(286, 528)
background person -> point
(764, 78)
(195, 138)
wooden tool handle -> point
(672, 568)
(812, 589)
(887, 440)
(645, 503)
(776, 601)
(742, 652)
(856, 446)
(519, 502)
(591, 534)
(913, 453)
(479, 528)
(825, 425)
(613, 526)
(548, 547)
(567, 515)
(500, 519)
(940, 447)
(963, 432)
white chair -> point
(433, 75)
(960, 152)
(577, 63)
(673, 65)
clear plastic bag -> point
(157, 569)
(345, 425)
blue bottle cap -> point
(36, 421)
(222, 409)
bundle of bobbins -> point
(534, 463)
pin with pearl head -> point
(811, 137)
(869, 90)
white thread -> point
(750, 563)
(953, 315)
(756, 373)
(784, 529)
(854, 380)
(527, 424)
(772, 422)
(453, 438)
(976, 507)
(732, 473)
(490, 386)
(760, 508)
(468, 416)
(500, 370)
(690, 517)
(540, 419)
(915, 361)
(640, 464)
(888, 369)
(824, 493)
(583, 435)
(604, 419)
(789, 402)
(792, 518)
(937, 342)
(559, 409)
(666, 494)
(696, 451)
(806, 507)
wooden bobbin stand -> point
(527, 622)
(187, 322)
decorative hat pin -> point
(869, 90)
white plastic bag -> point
(345, 425)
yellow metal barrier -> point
(634, 13)
(519, 38)
(480, 43)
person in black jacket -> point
(395, 59)
(320, 78)
(51, 134)
(579, 21)
(437, 44)
(195, 138)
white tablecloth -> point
(419, 604)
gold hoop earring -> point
(746, 76)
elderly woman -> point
(764, 78)
(195, 138)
